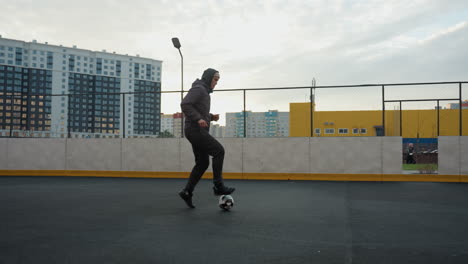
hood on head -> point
(207, 76)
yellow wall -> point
(416, 123)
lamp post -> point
(176, 43)
(312, 102)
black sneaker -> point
(187, 197)
(223, 190)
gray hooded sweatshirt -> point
(196, 104)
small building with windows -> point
(257, 124)
(414, 123)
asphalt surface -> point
(124, 220)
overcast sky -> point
(265, 43)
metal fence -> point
(245, 112)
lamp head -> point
(176, 43)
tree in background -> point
(165, 134)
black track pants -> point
(204, 145)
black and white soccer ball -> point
(226, 202)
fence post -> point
(123, 115)
(401, 120)
(311, 111)
(12, 105)
(245, 118)
(69, 116)
(383, 110)
(438, 119)
(461, 108)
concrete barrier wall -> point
(464, 156)
(275, 155)
(161, 154)
(3, 153)
(453, 155)
(391, 162)
(339, 155)
(93, 154)
(36, 154)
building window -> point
(343, 131)
(355, 130)
(329, 131)
(317, 131)
(363, 130)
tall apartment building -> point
(177, 128)
(172, 123)
(259, 124)
(217, 130)
(36, 78)
(167, 123)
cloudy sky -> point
(267, 43)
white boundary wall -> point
(453, 155)
(353, 155)
(348, 155)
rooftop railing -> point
(105, 112)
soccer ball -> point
(226, 202)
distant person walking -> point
(196, 108)
(410, 154)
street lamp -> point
(176, 43)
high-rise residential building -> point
(49, 90)
(171, 123)
(258, 124)
(177, 117)
(167, 123)
(217, 130)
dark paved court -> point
(118, 220)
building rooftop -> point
(103, 51)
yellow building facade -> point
(415, 123)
